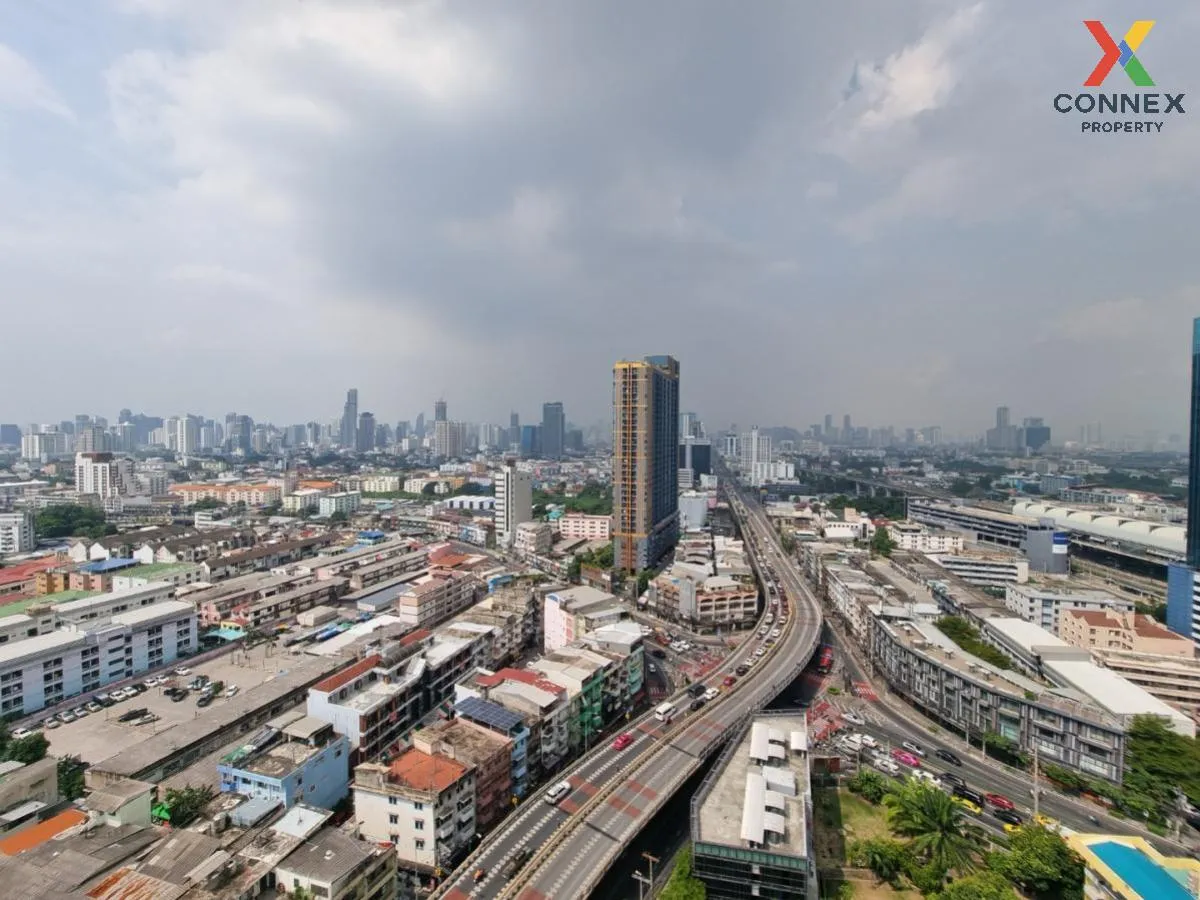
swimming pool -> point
(227, 634)
(1140, 872)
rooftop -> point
(167, 609)
(31, 836)
(467, 741)
(765, 775)
(490, 714)
(101, 566)
(424, 771)
(149, 571)
(347, 675)
(327, 857)
(280, 759)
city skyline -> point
(880, 198)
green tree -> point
(681, 885)
(845, 891)
(886, 858)
(27, 749)
(933, 823)
(643, 580)
(870, 785)
(1040, 862)
(338, 518)
(208, 503)
(573, 568)
(960, 487)
(881, 542)
(967, 636)
(186, 803)
(70, 520)
(70, 777)
(430, 489)
(980, 886)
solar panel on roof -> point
(487, 713)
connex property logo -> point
(1139, 111)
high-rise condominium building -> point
(439, 410)
(554, 430)
(365, 439)
(645, 459)
(103, 474)
(514, 502)
(349, 436)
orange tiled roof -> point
(36, 835)
(26, 570)
(425, 772)
(522, 675)
(348, 674)
(413, 636)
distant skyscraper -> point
(419, 425)
(365, 437)
(1001, 416)
(439, 411)
(554, 430)
(514, 430)
(349, 437)
(645, 461)
(828, 424)
(530, 443)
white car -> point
(711, 694)
(761, 651)
(183, 671)
(22, 733)
(557, 792)
(776, 633)
(853, 718)
(868, 741)
(912, 748)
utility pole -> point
(643, 883)
(652, 860)
(1035, 778)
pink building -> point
(1125, 631)
(591, 528)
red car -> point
(623, 741)
(999, 801)
(729, 680)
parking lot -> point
(100, 735)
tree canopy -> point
(881, 542)
(681, 885)
(980, 886)
(69, 520)
(934, 824)
(967, 636)
(1043, 865)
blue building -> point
(294, 759)
(504, 721)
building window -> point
(393, 819)
(419, 824)
(419, 844)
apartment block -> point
(345, 502)
(16, 532)
(532, 539)
(289, 603)
(294, 759)
(571, 613)
(103, 606)
(487, 752)
(913, 537)
(1124, 631)
(41, 671)
(984, 570)
(542, 723)
(26, 790)
(1046, 605)
(690, 593)
(435, 596)
(589, 528)
(422, 804)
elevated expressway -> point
(615, 793)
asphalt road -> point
(641, 776)
(893, 726)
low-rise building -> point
(486, 751)
(1045, 605)
(303, 499)
(435, 596)
(539, 722)
(570, 613)
(345, 502)
(689, 592)
(1124, 630)
(984, 570)
(16, 532)
(590, 528)
(422, 804)
(294, 759)
(334, 866)
(916, 538)
(532, 539)
(767, 851)
(26, 790)
(177, 574)
(79, 658)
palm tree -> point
(934, 825)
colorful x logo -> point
(1120, 53)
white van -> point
(665, 712)
(868, 741)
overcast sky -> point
(853, 207)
